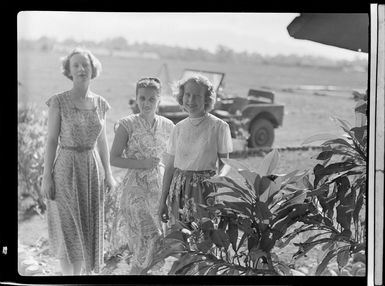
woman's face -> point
(194, 99)
(147, 100)
(80, 68)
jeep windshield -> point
(216, 78)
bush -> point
(32, 134)
(238, 236)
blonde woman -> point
(76, 168)
(195, 152)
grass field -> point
(306, 113)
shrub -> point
(338, 191)
(32, 133)
(239, 234)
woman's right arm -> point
(50, 150)
(167, 177)
(116, 159)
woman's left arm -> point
(102, 145)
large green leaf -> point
(343, 258)
(361, 106)
(324, 155)
(337, 141)
(269, 163)
(262, 211)
(344, 123)
(298, 198)
(344, 215)
(242, 240)
(235, 164)
(220, 238)
(360, 133)
(304, 248)
(325, 261)
(321, 171)
(221, 181)
(250, 177)
(241, 207)
(264, 184)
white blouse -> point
(196, 144)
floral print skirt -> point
(188, 189)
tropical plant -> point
(31, 139)
(241, 230)
(338, 190)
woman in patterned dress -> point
(139, 144)
(197, 145)
(76, 168)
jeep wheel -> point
(261, 133)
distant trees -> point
(221, 54)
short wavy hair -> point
(210, 95)
(149, 82)
(96, 66)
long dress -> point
(137, 221)
(75, 216)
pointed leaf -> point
(298, 198)
(264, 184)
(343, 258)
(321, 267)
(220, 238)
(249, 177)
(243, 238)
(344, 123)
(338, 141)
(325, 155)
(361, 107)
(242, 207)
(319, 137)
(269, 163)
(235, 164)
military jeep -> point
(255, 113)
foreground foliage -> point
(269, 210)
(32, 133)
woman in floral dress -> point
(76, 168)
(197, 146)
(139, 144)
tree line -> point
(221, 54)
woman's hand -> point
(110, 182)
(150, 163)
(47, 188)
(163, 212)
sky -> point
(263, 33)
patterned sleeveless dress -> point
(75, 216)
(137, 223)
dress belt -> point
(77, 148)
